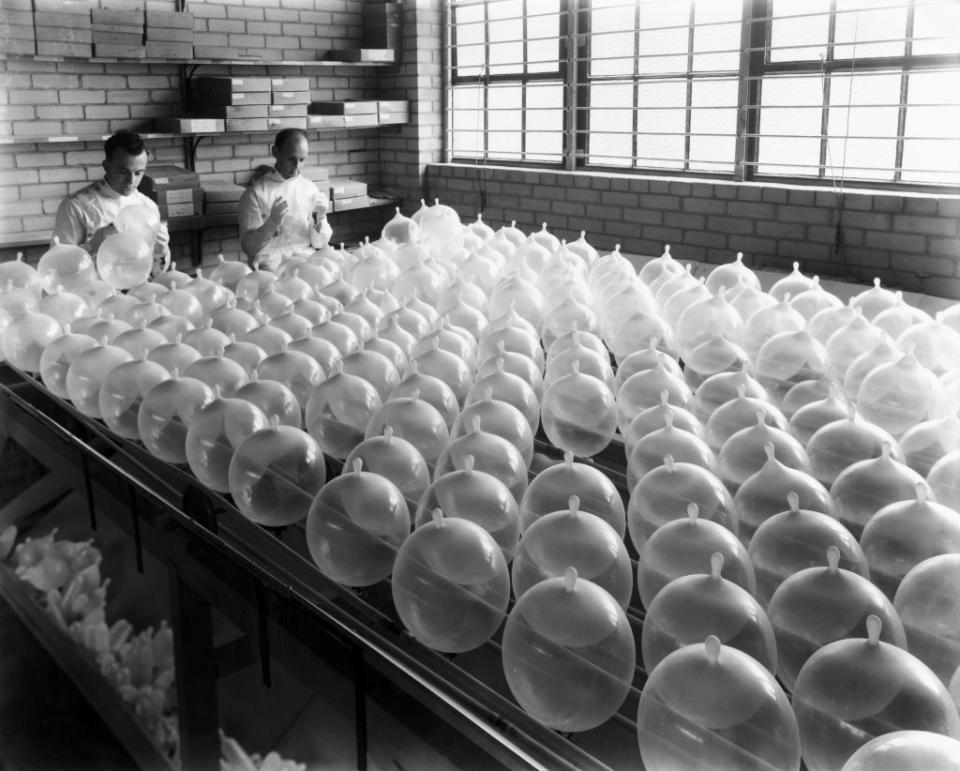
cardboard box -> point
(18, 5)
(220, 207)
(343, 107)
(227, 85)
(169, 35)
(232, 110)
(221, 52)
(364, 55)
(221, 192)
(387, 118)
(16, 18)
(118, 38)
(286, 111)
(277, 123)
(120, 51)
(74, 8)
(343, 187)
(17, 32)
(19, 45)
(355, 202)
(189, 125)
(132, 18)
(180, 209)
(290, 84)
(55, 48)
(64, 35)
(358, 121)
(318, 174)
(160, 176)
(169, 197)
(171, 19)
(326, 121)
(291, 97)
(161, 49)
(246, 124)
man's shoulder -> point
(85, 194)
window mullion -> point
(688, 112)
(904, 91)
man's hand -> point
(100, 235)
(280, 208)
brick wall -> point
(75, 96)
(910, 241)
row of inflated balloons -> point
(353, 417)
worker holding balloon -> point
(112, 205)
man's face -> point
(124, 171)
(291, 157)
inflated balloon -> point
(692, 607)
(397, 460)
(108, 327)
(176, 355)
(390, 329)
(449, 368)
(820, 605)
(415, 420)
(691, 297)
(270, 339)
(271, 303)
(659, 268)
(400, 229)
(811, 301)
(254, 284)
(21, 274)
(57, 357)
(144, 312)
(475, 495)
(166, 412)
(14, 301)
(634, 332)
(875, 300)
(491, 453)
(849, 341)
(125, 259)
(898, 395)
(645, 388)
(865, 487)
(714, 355)
(883, 353)
(211, 294)
(665, 493)
(568, 653)
(731, 274)
(796, 539)
(214, 435)
(902, 535)
(896, 319)
(737, 414)
(218, 370)
(64, 307)
(850, 691)
(944, 480)
(139, 341)
(293, 286)
(440, 230)
(667, 285)
(338, 411)
(841, 443)
(516, 292)
(649, 451)
(275, 474)
(65, 265)
(450, 584)
(172, 276)
(805, 392)
(744, 453)
(792, 284)
(579, 413)
(229, 272)
(171, 327)
(578, 539)
(296, 370)
(567, 316)
(373, 367)
(712, 706)
(811, 417)
(87, 373)
(929, 607)
(721, 388)
(498, 417)
(336, 333)
(139, 221)
(229, 319)
(749, 299)
(590, 361)
(432, 390)
(122, 392)
(911, 750)
(550, 491)
(928, 442)
(450, 338)
(26, 337)
(654, 418)
(685, 546)
(643, 359)
(355, 525)
(788, 358)
(275, 400)
(766, 322)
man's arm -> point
(72, 226)
(255, 230)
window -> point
(826, 90)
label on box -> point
(287, 110)
(234, 110)
(394, 117)
(365, 119)
(393, 105)
(292, 97)
(290, 84)
(189, 195)
(287, 122)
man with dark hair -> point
(282, 211)
(87, 216)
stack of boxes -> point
(169, 34)
(226, 30)
(176, 191)
(289, 98)
(347, 194)
(221, 197)
(118, 32)
(16, 27)
(350, 113)
(242, 103)
(63, 27)
(393, 111)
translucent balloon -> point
(848, 342)
(432, 390)
(901, 535)
(230, 320)
(171, 327)
(654, 418)
(26, 337)
(165, 415)
(275, 474)
(788, 358)
(660, 268)
(737, 414)
(928, 442)
(218, 371)
(810, 418)
(447, 367)
(211, 294)
(122, 392)
(873, 301)
(469, 493)
(898, 395)
(450, 584)
(665, 493)
(730, 275)
(253, 284)
(355, 525)
(568, 653)
(500, 418)
(415, 420)
(649, 451)
(509, 388)
(63, 307)
(124, 259)
(713, 706)
(491, 453)
(137, 220)
(929, 607)
(440, 230)
(944, 480)
(229, 272)
(14, 301)
(571, 538)
(811, 301)
(296, 370)
(636, 330)
(896, 319)
(792, 284)
(275, 400)
(65, 265)
(643, 390)
(865, 487)
(913, 750)
(744, 453)
(270, 339)
(22, 274)
(338, 411)
(57, 357)
(805, 392)
(841, 443)
(174, 356)
(705, 318)
(716, 354)
(87, 373)
(579, 413)
(864, 364)
(668, 285)
(692, 607)
(139, 341)
(214, 435)
(766, 322)
(400, 229)
(643, 359)
(172, 276)
(748, 300)
(721, 388)
(850, 691)
(684, 547)
(820, 605)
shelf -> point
(99, 137)
(224, 62)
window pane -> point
(506, 58)
(936, 27)
(713, 125)
(931, 149)
(504, 9)
(504, 122)
(863, 139)
(543, 56)
(860, 21)
(611, 124)
(661, 123)
(799, 30)
(790, 126)
(470, 60)
(466, 129)
(716, 36)
(544, 122)
(664, 36)
(612, 41)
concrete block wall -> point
(909, 241)
(77, 97)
